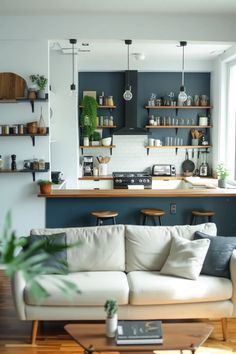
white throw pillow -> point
(186, 258)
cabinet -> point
(176, 127)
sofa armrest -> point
(233, 278)
(18, 285)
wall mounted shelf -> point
(98, 147)
(23, 99)
(26, 134)
(26, 171)
(103, 107)
(176, 127)
(177, 107)
(176, 147)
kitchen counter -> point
(141, 193)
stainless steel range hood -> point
(131, 126)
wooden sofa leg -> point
(34, 331)
(224, 329)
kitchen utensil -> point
(188, 165)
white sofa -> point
(124, 262)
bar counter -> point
(140, 193)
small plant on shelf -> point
(45, 186)
(95, 138)
(39, 80)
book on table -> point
(139, 332)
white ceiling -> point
(112, 54)
(63, 7)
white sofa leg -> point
(34, 331)
(224, 329)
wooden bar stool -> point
(153, 213)
(104, 215)
(202, 214)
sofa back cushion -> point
(100, 248)
(147, 247)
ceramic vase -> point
(221, 183)
(41, 94)
(111, 326)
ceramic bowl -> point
(106, 141)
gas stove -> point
(125, 180)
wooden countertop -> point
(140, 193)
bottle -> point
(41, 124)
(110, 120)
(13, 162)
(1, 163)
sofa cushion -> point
(95, 288)
(153, 288)
(58, 260)
(218, 255)
(186, 257)
(147, 247)
(101, 247)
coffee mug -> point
(151, 142)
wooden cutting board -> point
(11, 86)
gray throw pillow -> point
(186, 258)
(218, 256)
(58, 260)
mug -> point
(151, 141)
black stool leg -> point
(193, 220)
(159, 220)
(114, 220)
(210, 219)
(144, 220)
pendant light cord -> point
(183, 68)
(73, 63)
(128, 69)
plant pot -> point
(221, 183)
(111, 326)
(45, 188)
(41, 94)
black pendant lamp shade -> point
(182, 97)
(73, 42)
(128, 94)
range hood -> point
(131, 126)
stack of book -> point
(139, 332)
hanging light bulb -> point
(182, 97)
(128, 94)
(73, 42)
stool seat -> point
(152, 213)
(104, 215)
(202, 214)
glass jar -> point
(111, 121)
(41, 164)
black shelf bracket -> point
(147, 151)
(176, 131)
(33, 139)
(176, 151)
(32, 105)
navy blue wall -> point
(76, 212)
(160, 83)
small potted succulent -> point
(111, 308)
(45, 186)
(222, 173)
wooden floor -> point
(52, 339)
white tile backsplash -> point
(130, 154)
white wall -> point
(64, 120)
(18, 191)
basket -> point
(32, 127)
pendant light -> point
(73, 42)
(128, 94)
(182, 97)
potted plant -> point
(111, 308)
(45, 186)
(41, 82)
(88, 119)
(95, 138)
(222, 173)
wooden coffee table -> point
(176, 336)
